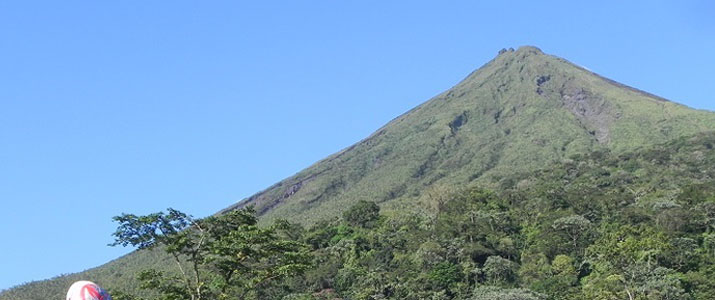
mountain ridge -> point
(594, 112)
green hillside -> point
(634, 225)
(598, 225)
(520, 117)
(519, 112)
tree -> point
(682, 253)
(627, 259)
(444, 275)
(534, 267)
(575, 228)
(247, 257)
(669, 215)
(168, 230)
(561, 282)
(500, 270)
(563, 265)
(363, 214)
(219, 257)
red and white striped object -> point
(87, 290)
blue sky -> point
(135, 106)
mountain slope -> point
(521, 111)
(518, 113)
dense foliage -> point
(600, 226)
(639, 225)
(219, 257)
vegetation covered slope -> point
(601, 225)
(635, 225)
(520, 112)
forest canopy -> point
(597, 226)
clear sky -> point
(135, 106)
